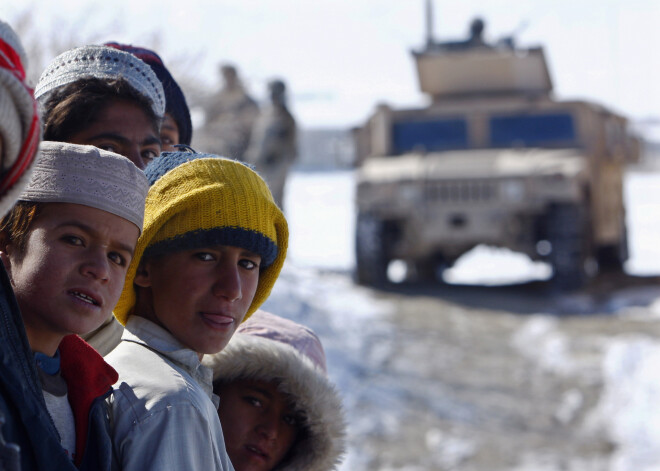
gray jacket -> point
(164, 412)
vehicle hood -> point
(475, 164)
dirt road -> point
(500, 378)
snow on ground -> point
(642, 193)
(316, 289)
(319, 209)
(628, 410)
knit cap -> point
(101, 62)
(203, 202)
(80, 174)
(175, 101)
(20, 130)
(270, 348)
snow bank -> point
(628, 411)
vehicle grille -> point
(461, 191)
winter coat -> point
(164, 412)
(27, 421)
(269, 348)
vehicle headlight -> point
(409, 193)
(513, 190)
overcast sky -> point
(341, 57)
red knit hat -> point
(20, 129)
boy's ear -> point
(143, 274)
(6, 250)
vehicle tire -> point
(568, 232)
(425, 270)
(370, 251)
(430, 269)
(612, 257)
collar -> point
(49, 365)
(88, 377)
(154, 337)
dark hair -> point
(73, 107)
(15, 226)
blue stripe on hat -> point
(234, 236)
(167, 161)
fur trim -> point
(261, 359)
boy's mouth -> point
(257, 451)
(217, 320)
(85, 298)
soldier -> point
(230, 116)
(273, 146)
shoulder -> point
(148, 373)
(176, 435)
(149, 383)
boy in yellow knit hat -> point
(213, 244)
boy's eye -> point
(205, 256)
(248, 264)
(291, 420)
(72, 240)
(253, 400)
(150, 154)
(109, 147)
(117, 258)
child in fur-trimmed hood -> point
(278, 409)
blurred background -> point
(490, 367)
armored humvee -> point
(494, 160)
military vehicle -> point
(495, 160)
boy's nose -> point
(97, 266)
(135, 156)
(228, 283)
(268, 428)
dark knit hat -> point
(175, 101)
(208, 200)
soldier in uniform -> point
(230, 116)
(273, 146)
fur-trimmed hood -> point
(254, 357)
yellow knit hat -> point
(209, 201)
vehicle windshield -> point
(429, 135)
(550, 130)
(547, 130)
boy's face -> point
(71, 273)
(122, 127)
(200, 296)
(169, 134)
(263, 425)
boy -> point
(213, 245)
(28, 440)
(110, 99)
(104, 97)
(277, 405)
(66, 246)
(177, 125)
